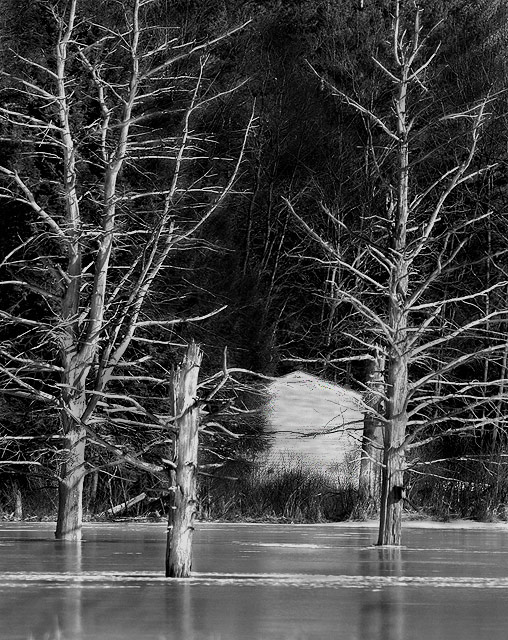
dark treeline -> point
(236, 172)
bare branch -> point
(353, 103)
(167, 323)
(193, 49)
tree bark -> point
(397, 370)
(18, 501)
(396, 425)
(182, 510)
(70, 486)
(390, 521)
(369, 481)
(92, 497)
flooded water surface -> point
(255, 582)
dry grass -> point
(283, 489)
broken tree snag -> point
(183, 502)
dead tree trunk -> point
(18, 501)
(183, 491)
(72, 472)
(372, 442)
(92, 495)
(70, 486)
(397, 368)
(392, 493)
(123, 506)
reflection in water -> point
(50, 608)
(390, 560)
(62, 619)
(70, 617)
(271, 582)
(187, 613)
(382, 611)
(382, 615)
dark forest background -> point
(310, 148)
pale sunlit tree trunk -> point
(183, 499)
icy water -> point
(262, 582)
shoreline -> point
(349, 524)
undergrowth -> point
(283, 489)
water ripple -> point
(134, 579)
(287, 545)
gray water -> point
(262, 582)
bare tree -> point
(118, 183)
(398, 276)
